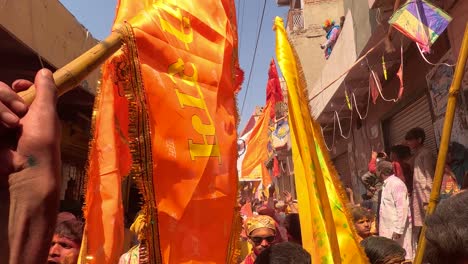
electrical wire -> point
(238, 9)
(253, 58)
(333, 137)
(242, 23)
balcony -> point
(295, 20)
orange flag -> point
(109, 160)
(166, 113)
(253, 165)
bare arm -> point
(350, 195)
(289, 201)
(30, 179)
(373, 162)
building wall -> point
(363, 21)
(341, 59)
(307, 42)
(50, 30)
(458, 9)
(367, 135)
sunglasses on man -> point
(259, 240)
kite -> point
(420, 21)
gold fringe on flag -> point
(140, 142)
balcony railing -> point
(295, 20)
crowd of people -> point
(401, 185)
(388, 242)
(388, 221)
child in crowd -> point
(363, 221)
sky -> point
(97, 17)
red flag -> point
(274, 93)
(400, 75)
(276, 168)
(373, 88)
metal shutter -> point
(341, 164)
(416, 114)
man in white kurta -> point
(424, 167)
(395, 213)
(423, 175)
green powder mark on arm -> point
(32, 161)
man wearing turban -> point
(261, 234)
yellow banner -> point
(327, 231)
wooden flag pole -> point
(444, 141)
(70, 76)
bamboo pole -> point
(70, 76)
(444, 142)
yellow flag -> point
(327, 231)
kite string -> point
(339, 125)
(355, 102)
(422, 28)
(379, 87)
(333, 138)
(430, 63)
(357, 108)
